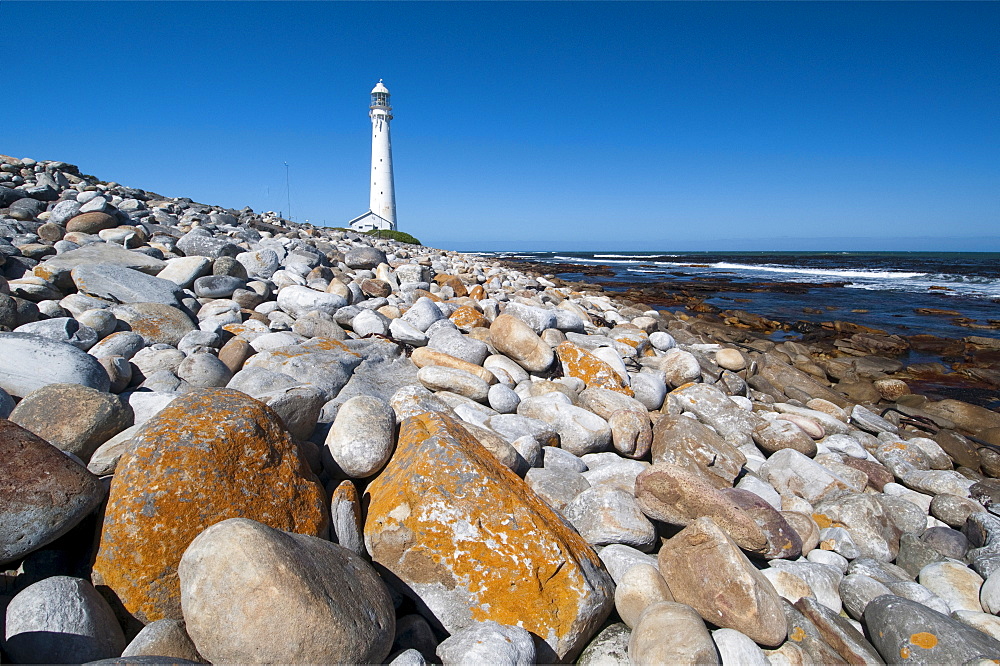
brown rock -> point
(425, 356)
(782, 539)
(43, 492)
(50, 232)
(678, 496)
(706, 570)
(838, 633)
(971, 418)
(235, 353)
(210, 455)
(784, 376)
(86, 417)
(91, 223)
(515, 339)
(453, 281)
(878, 474)
(687, 442)
(958, 448)
(376, 288)
(472, 542)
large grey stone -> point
(28, 362)
(61, 620)
(124, 285)
(904, 631)
(361, 439)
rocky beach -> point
(228, 437)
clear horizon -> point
(601, 126)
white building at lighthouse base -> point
(369, 222)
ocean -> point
(946, 294)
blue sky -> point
(564, 125)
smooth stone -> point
(346, 528)
(689, 643)
(204, 370)
(903, 630)
(298, 301)
(868, 523)
(61, 620)
(201, 242)
(557, 487)
(183, 271)
(955, 583)
(87, 417)
(364, 257)
(422, 314)
(984, 622)
(331, 604)
(163, 638)
(793, 473)
(737, 649)
(124, 285)
(604, 515)
(641, 586)
(44, 495)
(823, 580)
(62, 329)
(619, 558)
(360, 440)
(703, 566)
(441, 378)
(714, 408)
(516, 340)
(488, 642)
(688, 443)
(857, 591)
(217, 286)
(580, 431)
(155, 322)
(29, 362)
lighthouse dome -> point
(380, 88)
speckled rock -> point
(163, 638)
(211, 454)
(473, 543)
(331, 605)
(155, 322)
(595, 373)
(87, 417)
(689, 641)
(488, 642)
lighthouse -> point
(382, 200)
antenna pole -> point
(288, 192)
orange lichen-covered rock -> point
(472, 542)
(453, 281)
(578, 362)
(212, 454)
(478, 292)
(467, 318)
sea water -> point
(883, 290)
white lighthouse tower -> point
(382, 201)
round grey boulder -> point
(364, 257)
(61, 620)
(361, 439)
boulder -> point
(471, 542)
(86, 417)
(210, 455)
(29, 362)
(239, 579)
(44, 492)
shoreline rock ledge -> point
(232, 438)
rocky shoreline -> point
(232, 438)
